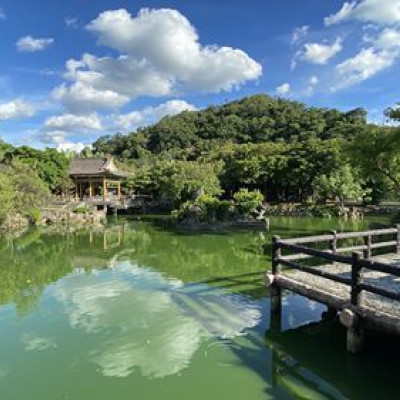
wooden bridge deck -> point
(363, 288)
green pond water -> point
(135, 310)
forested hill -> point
(255, 119)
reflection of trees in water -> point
(41, 257)
(28, 266)
(195, 257)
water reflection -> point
(131, 300)
(148, 322)
(34, 342)
(43, 256)
(40, 257)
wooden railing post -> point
(275, 290)
(368, 251)
(276, 254)
(356, 280)
(398, 239)
(333, 242)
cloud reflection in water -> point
(145, 321)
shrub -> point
(323, 211)
(34, 215)
(225, 209)
(82, 209)
(204, 209)
(247, 201)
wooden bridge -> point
(356, 274)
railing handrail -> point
(343, 235)
(357, 261)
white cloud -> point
(50, 137)
(74, 123)
(2, 14)
(160, 55)
(376, 11)
(366, 64)
(171, 107)
(388, 39)
(314, 80)
(167, 40)
(299, 33)
(383, 52)
(58, 139)
(30, 44)
(81, 98)
(321, 53)
(71, 147)
(310, 88)
(71, 22)
(16, 109)
(150, 115)
(283, 89)
(60, 129)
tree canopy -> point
(256, 119)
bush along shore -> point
(210, 213)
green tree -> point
(341, 185)
(51, 165)
(376, 153)
(393, 113)
(7, 195)
(177, 180)
(21, 190)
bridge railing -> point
(298, 249)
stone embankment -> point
(76, 214)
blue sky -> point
(71, 71)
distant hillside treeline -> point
(256, 119)
(284, 149)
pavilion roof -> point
(95, 167)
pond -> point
(136, 310)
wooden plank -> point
(380, 291)
(316, 253)
(374, 319)
(316, 272)
(380, 267)
(379, 320)
(377, 232)
(382, 245)
(311, 292)
(308, 239)
(351, 249)
(295, 257)
(344, 235)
